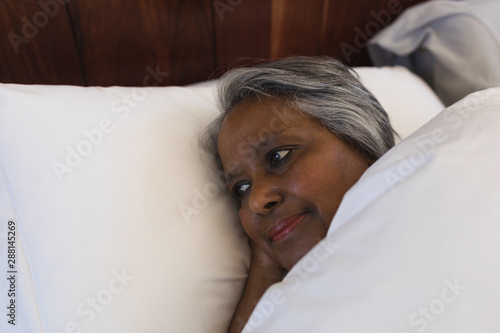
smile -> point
(285, 227)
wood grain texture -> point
(296, 27)
(176, 42)
(37, 44)
(242, 31)
(123, 41)
(338, 28)
(360, 20)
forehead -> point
(262, 110)
(253, 122)
(266, 114)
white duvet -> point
(415, 244)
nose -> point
(264, 195)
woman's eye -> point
(278, 156)
(240, 189)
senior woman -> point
(293, 137)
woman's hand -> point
(262, 274)
(260, 260)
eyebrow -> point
(228, 178)
(257, 148)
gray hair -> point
(319, 86)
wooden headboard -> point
(137, 42)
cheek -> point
(248, 225)
(340, 180)
(313, 181)
(322, 183)
(251, 225)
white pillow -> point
(125, 229)
(407, 99)
(414, 246)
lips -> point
(285, 227)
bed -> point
(114, 220)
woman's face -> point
(289, 174)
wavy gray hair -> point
(319, 86)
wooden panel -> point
(37, 45)
(137, 42)
(280, 28)
(359, 21)
(296, 26)
(242, 30)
